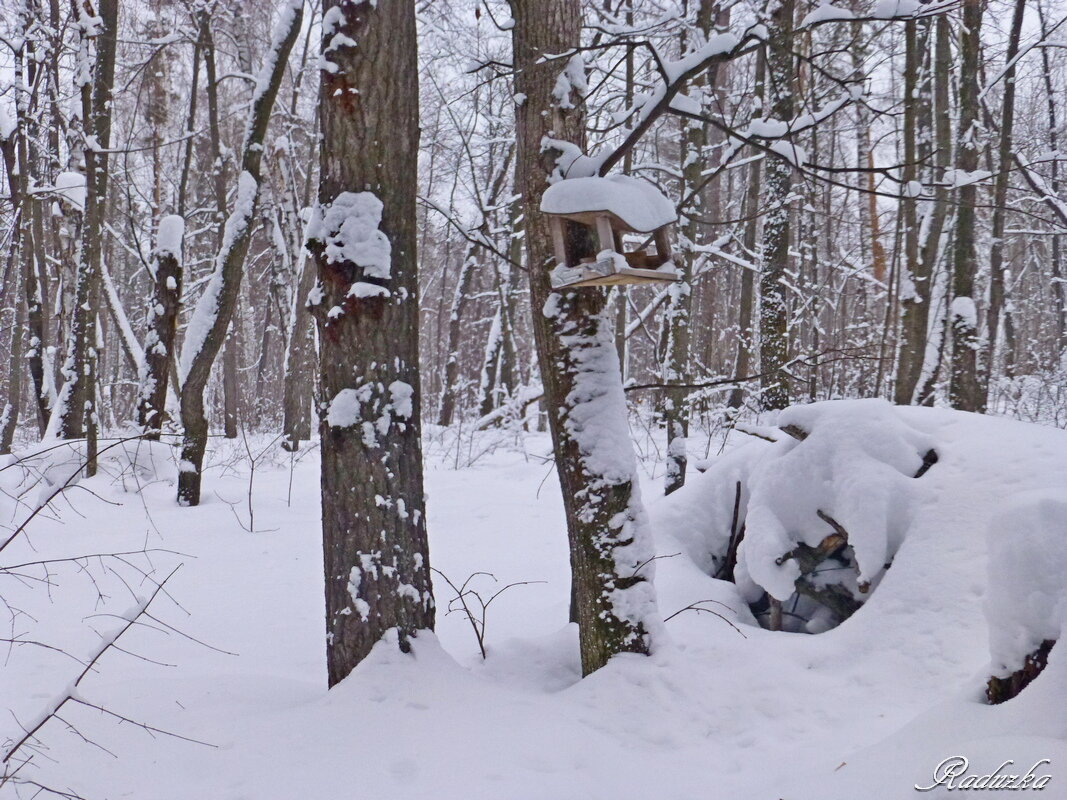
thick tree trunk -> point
(1000, 199)
(364, 242)
(77, 407)
(774, 313)
(611, 548)
(162, 325)
(965, 392)
(210, 320)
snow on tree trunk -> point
(964, 390)
(610, 543)
(362, 236)
(774, 318)
(211, 318)
(162, 324)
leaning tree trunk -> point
(1000, 199)
(211, 318)
(76, 406)
(162, 325)
(610, 545)
(778, 182)
(363, 238)
(965, 392)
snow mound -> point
(854, 467)
(1026, 602)
(637, 203)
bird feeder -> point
(584, 211)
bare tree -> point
(211, 318)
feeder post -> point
(663, 244)
(604, 232)
(559, 243)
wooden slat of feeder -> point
(628, 275)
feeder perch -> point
(604, 210)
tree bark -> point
(1000, 199)
(750, 238)
(9, 415)
(162, 325)
(363, 238)
(1059, 290)
(915, 292)
(778, 182)
(965, 392)
(299, 362)
(211, 318)
(610, 546)
(77, 403)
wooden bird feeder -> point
(584, 211)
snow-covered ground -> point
(723, 709)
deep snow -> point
(866, 710)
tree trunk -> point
(964, 390)
(30, 227)
(299, 358)
(915, 291)
(1000, 199)
(9, 415)
(363, 238)
(455, 328)
(774, 318)
(1059, 290)
(77, 403)
(680, 301)
(162, 325)
(611, 548)
(229, 379)
(211, 318)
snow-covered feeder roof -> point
(634, 204)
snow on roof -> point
(636, 203)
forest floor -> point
(723, 709)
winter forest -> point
(533, 399)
